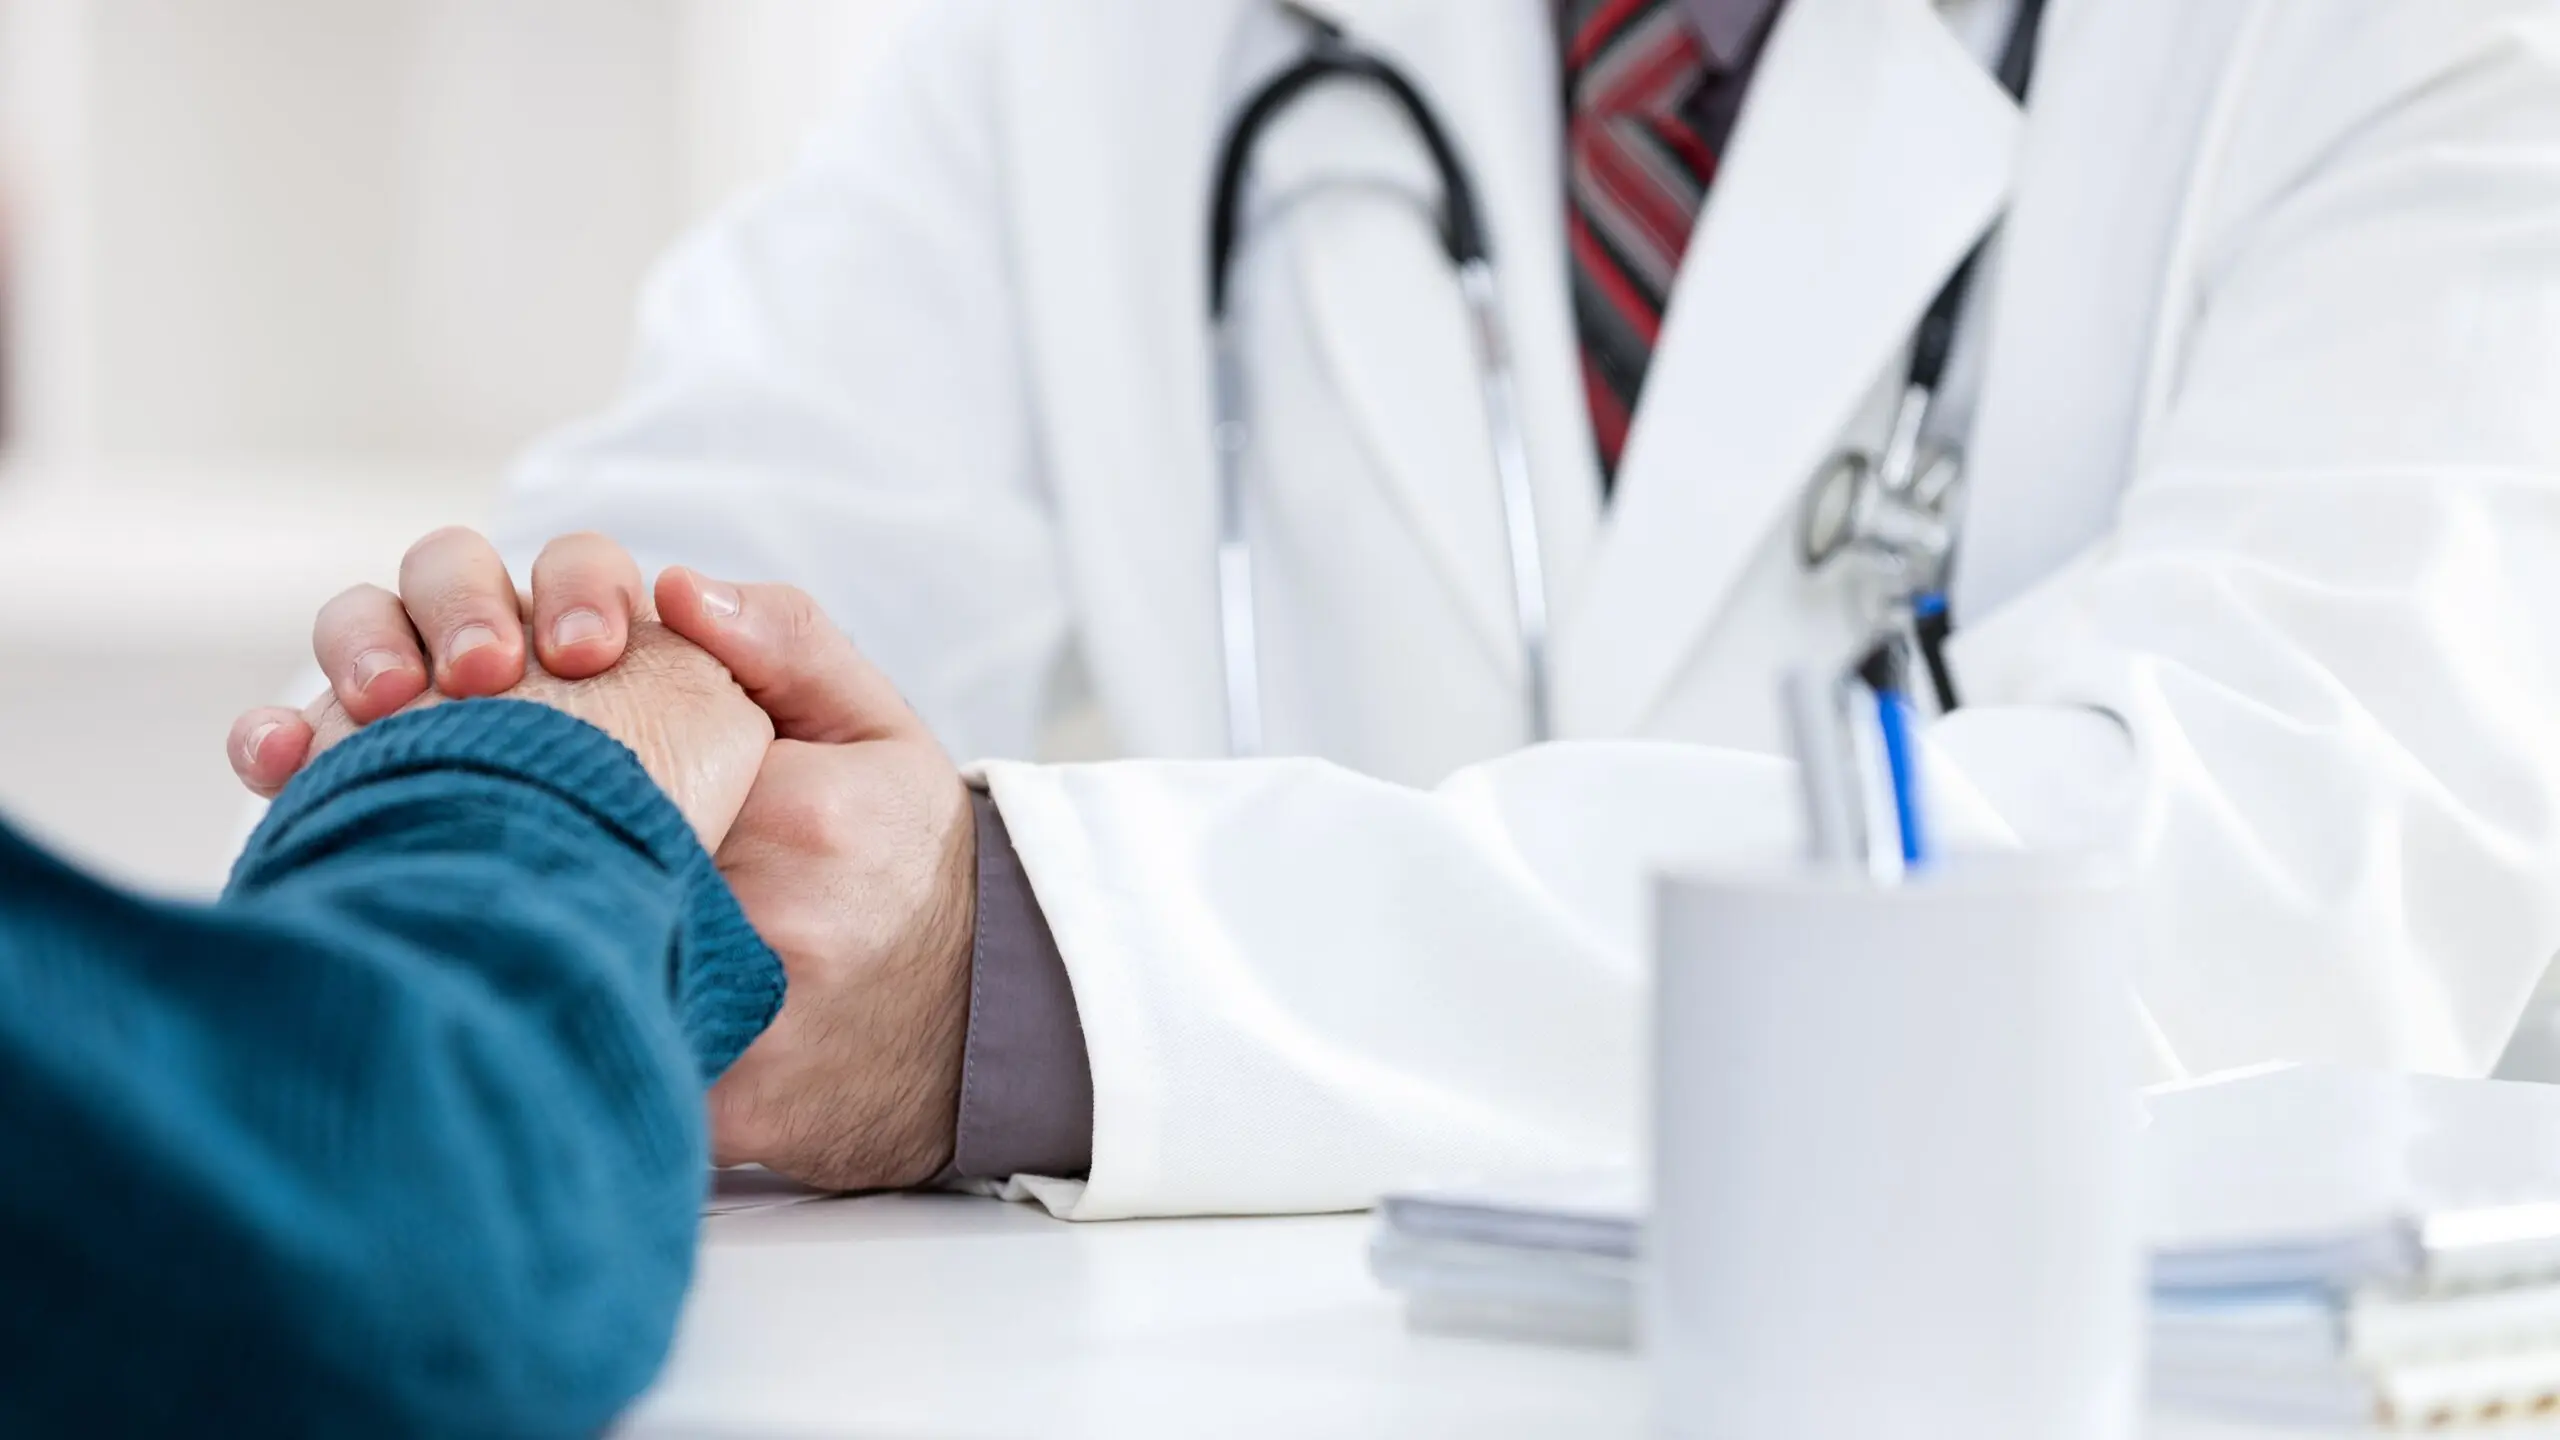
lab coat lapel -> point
(1872, 153)
(2062, 419)
(1384, 311)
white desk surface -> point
(929, 1316)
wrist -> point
(944, 952)
(858, 862)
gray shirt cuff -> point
(1026, 1088)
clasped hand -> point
(844, 830)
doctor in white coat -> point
(2260, 580)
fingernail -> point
(467, 639)
(372, 665)
(576, 628)
(719, 601)
(257, 738)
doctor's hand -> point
(856, 858)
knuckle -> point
(437, 541)
(583, 555)
(683, 668)
(592, 543)
(801, 933)
(335, 612)
(808, 819)
(358, 615)
(465, 595)
(462, 577)
(655, 655)
(802, 620)
(330, 725)
(358, 602)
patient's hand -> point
(694, 730)
(855, 855)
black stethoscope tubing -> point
(1462, 231)
(1936, 339)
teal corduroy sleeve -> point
(402, 1136)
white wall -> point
(758, 74)
(43, 219)
(299, 226)
(289, 281)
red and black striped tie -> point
(1637, 172)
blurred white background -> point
(287, 282)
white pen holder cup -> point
(1893, 1158)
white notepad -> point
(1592, 1212)
(2335, 1178)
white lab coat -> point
(2262, 575)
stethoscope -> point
(1901, 507)
(1898, 507)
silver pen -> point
(1827, 769)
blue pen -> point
(1885, 672)
(1879, 827)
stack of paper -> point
(2327, 1246)
(1552, 1260)
(2339, 1246)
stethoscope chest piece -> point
(1894, 513)
(1899, 509)
(1850, 511)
